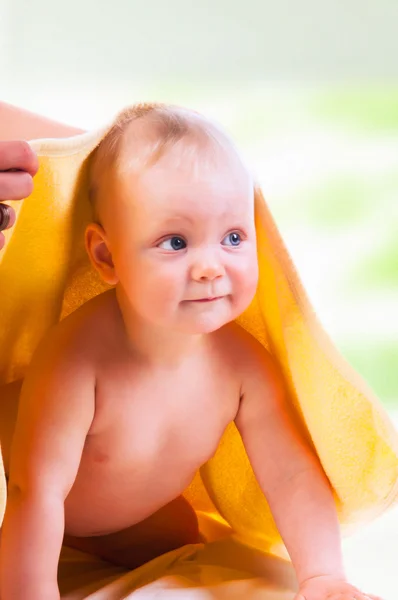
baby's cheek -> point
(254, 274)
(164, 286)
(246, 285)
(249, 274)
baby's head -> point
(174, 211)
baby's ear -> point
(99, 253)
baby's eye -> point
(233, 239)
(173, 243)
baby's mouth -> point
(211, 299)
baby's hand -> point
(330, 588)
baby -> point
(128, 396)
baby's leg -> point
(169, 528)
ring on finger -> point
(5, 216)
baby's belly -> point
(110, 497)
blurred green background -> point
(310, 92)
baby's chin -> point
(207, 322)
(204, 327)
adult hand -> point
(18, 166)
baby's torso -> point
(150, 434)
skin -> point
(16, 184)
(128, 396)
(20, 124)
(16, 126)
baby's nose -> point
(207, 268)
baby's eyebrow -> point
(173, 218)
(170, 219)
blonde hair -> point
(159, 127)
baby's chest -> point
(157, 425)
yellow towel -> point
(45, 274)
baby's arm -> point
(55, 413)
(288, 472)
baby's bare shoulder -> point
(57, 400)
(64, 367)
(86, 332)
(257, 369)
(241, 346)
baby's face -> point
(183, 242)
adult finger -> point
(15, 185)
(18, 155)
